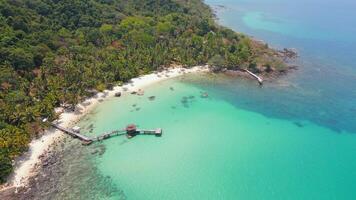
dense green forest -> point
(53, 52)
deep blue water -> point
(324, 33)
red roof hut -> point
(131, 130)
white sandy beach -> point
(26, 166)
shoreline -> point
(27, 165)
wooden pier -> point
(109, 135)
(157, 132)
(130, 131)
(72, 133)
(259, 79)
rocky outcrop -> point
(289, 53)
(118, 94)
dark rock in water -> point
(134, 105)
(90, 127)
(299, 124)
(184, 101)
(101, 100)
(137, 109)
(123, 142)
(102, 150)
(171, 88)
(191, 97)
(133, 92)
(151, 98)
(118, 94)
(95, 152)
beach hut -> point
(131, 130)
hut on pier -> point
(131, 130)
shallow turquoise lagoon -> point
(212, 149)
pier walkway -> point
(130, 131)
(259, 79)
(71, 132)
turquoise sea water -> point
(212, 149)
(294, 138)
